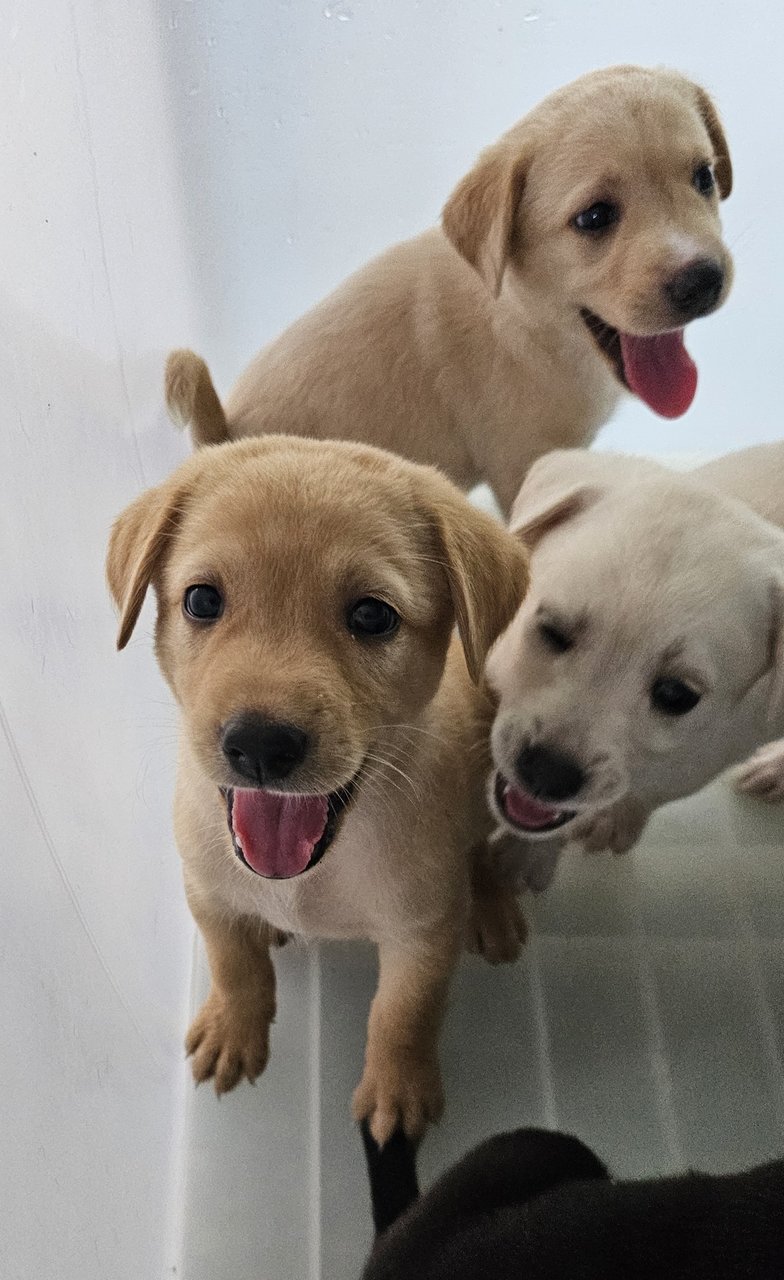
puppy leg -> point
(229, 1037)
(496, 926)
(401, 1083)
(763, 773)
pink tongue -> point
(278, 834)
(526, 811)
(660, 371)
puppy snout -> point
(261, 750)
(695, 289)
(548, 774)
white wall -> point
(93, 935)
(200, 172)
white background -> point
(200, 173)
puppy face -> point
(306, 597)
(601, 206)
(648, 653)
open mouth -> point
(280, 835)
(658, 368)
(524, 812)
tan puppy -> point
(570, 259)
(649, 653)
(307, 594)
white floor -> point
(647, 1016)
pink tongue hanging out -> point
(278, 834)
(660, 371)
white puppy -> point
(649, 653)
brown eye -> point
(203, 602)
(370, 617)
(703, 179)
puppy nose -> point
(262, 750)
(695, 290)
(549, 775)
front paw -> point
(229, 1039)
(616, 829)
(399, 1090)
(496, 929)
(762, 775)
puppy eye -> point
(703, 179)
(598, 217)
(203, 602)
(372, 617)
(673, 697)
(554, 637)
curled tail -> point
(192, 400)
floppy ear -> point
(721, 151)
(487, 571)
(479, 216)
(137, 542)
(555, 489)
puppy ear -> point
(721, 151)
(479, 216)
(487, 572)
(137, 542)
(555, 489)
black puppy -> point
(535, 1205)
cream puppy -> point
(649, 653)
(568, 262)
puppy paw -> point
(402, 1092)
(616, 829)
(762, 775)
(497, 928)
(228, 1039)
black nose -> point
(263, 750)
(548, 775)
(695, 290)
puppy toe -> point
(226, 1043)
(763, 774)
(408, 1094)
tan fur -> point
(292, 531)
(465, 347)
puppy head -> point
(306, 597)
(601, 209)
(649, 652)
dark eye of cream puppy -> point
(555, 637)
(673, 697)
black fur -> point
(535, 1205)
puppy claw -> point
(762, 775)
(226, 1044)
(404, 1094)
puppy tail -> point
(192, 400)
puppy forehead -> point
(288, 513)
